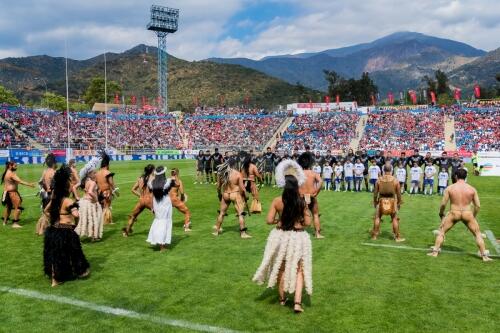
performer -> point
(141, 190)
(179, 198)
(250, 175)
(287, 257)
(199, 167)
(90, 211)
(106, 187)
(161, 229)
(269, 164)
(310, 190)
(460, 195)
(45, 184)
(63, 257)
(387, 201)
(11, 198)
(75, 180)
(232, 190)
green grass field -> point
(206, 280)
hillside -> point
(482, 71)
(397, 61)
(136, 68)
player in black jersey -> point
(270, 159)
(200, 166)
(217, 159)
(207, 165)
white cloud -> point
(5, 53)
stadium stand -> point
(478, 129)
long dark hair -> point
(60, 191)
(293, 204)
(158, 185)
(247, 160)
(8, 164)
(148, 170)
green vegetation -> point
(360, 90)
(207, 280)
(95, 91)
(7, 96)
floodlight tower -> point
(164, 20)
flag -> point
(337, 98)
(458, 94)
(413, 96)
(390, 97)
(477, 91)
(310, 103)
(117, 99)
(433, 97)
(133, 100)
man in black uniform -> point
(217, 159)
(416, 157)
(350, 156)
(455, 165)
(269, 164)
(379, 159)
(200, 166)
(207, 164)
(443, 162)
(364, 158)
(330, 159)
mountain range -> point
(396, 62)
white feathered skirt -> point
(287, 248)
(90, 224)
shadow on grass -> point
(271, 296)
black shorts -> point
(208, 170)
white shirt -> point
(374, 171)
(358, 169)
(443, 179)
(430, 171)
(348, 169)
(415, 172)
(401, 174)
(317, 169)
(327, 172)
(338, 171)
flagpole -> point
(67, 100)
(105, 102)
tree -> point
(442, 82)
(95, 91)
(498, 77)
(7, 96)
(302, 95)
(54, 101)
(445, 99)
(351, 90)
(431, 83)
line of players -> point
(350, 171)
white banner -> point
(4, 153)
(489, 163)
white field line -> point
(115, 311)
(493, 240)
(404, 247)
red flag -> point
(133, 100)
(117, 99)
(247, 99)
(413, 96)
(337, 99)
(310, 103)
(433, 97)
(391, 98)
(373, 99)
(458, 94)
(327, 99)
(477, 91)
(143, 100)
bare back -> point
(235, 183)
(47, 177)
(276, 209)
(10, 181)
(312, 185)
(102, 179)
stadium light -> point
(164, 20)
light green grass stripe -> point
(115, 311)
(493, 240)
(404, 247)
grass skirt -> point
(63, 257)
(91, 219)
(288, 248)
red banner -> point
(458, 94)
(337, 99)
(247, 100)
(413, 96)
(327, 99)
(433, 97)
(133, 100)
(310, 104)
(117, 99)
(390, 97)
(477, 91)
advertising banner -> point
(489, 163)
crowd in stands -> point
(478, 130)
(231, 131)
(9, 138)
(322, 131)
(402, 130)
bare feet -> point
(318, 235)
(163, 248)
(298, 308)
(244, 235)
(55, 283)
(399, 239)
(16, 225)
(433, 253)
(187, 227)
(84, 274)
(486, 258)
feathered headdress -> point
(91, 165)
(223, 173)
(289, 168)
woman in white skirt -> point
(90, 211)
(161, 229)
(288, 254)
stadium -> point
(253, 203)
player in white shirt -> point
(442, 181)
(429, 173)
(348, 175)
(339, 170)
(373, 173)
(359, 168)
(327, 176)
(401, 176)
(317, 169)
(415, 174)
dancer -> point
(287, 257)
(179, 198)
(90, 211)
(387, 201)
(11, 198)
(250, 175)
(141, 190)
(231, 189)
(45, 184)
(460, 195)
(161, 229)
(310, 190)
(106, 186)
(75, 179)
(63, 257)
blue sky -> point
(237, 28)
